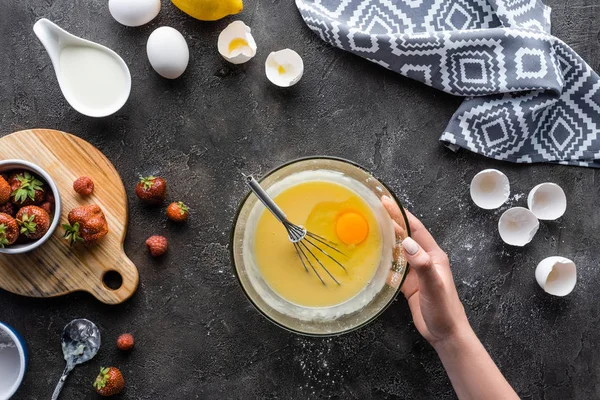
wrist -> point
(460, 340)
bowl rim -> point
(57, 206)
(232, 255)
(20, 343)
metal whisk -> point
(298, 235)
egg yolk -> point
(281, 70)
(351, 228)
(236, 44)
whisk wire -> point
(325, 253)
(320, 263)
(303, 256)
(295, 233)
(325, 242)
(297, 248)
(298, 235)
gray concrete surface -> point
(197, 335)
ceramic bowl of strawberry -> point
(28, 197)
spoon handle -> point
(60, 383)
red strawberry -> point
(151, 189)
(83, 185)
(50, 197)
(125, 342)
(26, 188)
(178, 212)
(9, 230)
(5, 190)
(157, 245)
(87, 224)
(33, 222)
(8, 208)
(109, 382)
(48, 207)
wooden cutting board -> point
(55, 268)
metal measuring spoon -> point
(80, 343)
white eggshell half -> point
(292, 65)
(239, 55)
(134, 12)
(556, 275)
(518, 226)
(547, 201)
(168, 52)
(490, 189)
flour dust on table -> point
(529, 96)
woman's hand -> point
(440, 316)
(429, 287)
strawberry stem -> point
(102, 378)
(3, 239)
(147, 181)
(27, 224)
(183, 209)
(72, 233)
(28, 185)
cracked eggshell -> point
(284, 68)
(168, 52)
(236, 43)
(518, 226)
(490, 189)
(134, 12)
(547, 201)
(556, 275)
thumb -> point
(420, 261)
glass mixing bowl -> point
(335, 320)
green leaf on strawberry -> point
(147, 181)
(183, 209)
(3, 239)
(27, 224)
(102, 378)
(72, 233)
(27, 187)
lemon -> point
(209, 10)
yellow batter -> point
(334, 212)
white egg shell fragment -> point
(168, 52)
(284, 68)
(490, 189)
(236, 43)
(547, 201)
(556, 275)
(134, 12)
(518, 226)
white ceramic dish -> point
(9, 165)
(55, 40)
(13, 361)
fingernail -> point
(410, 246)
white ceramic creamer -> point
(93, 78)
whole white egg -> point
(168, 52)
(134, 12)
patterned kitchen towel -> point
(529, 97)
